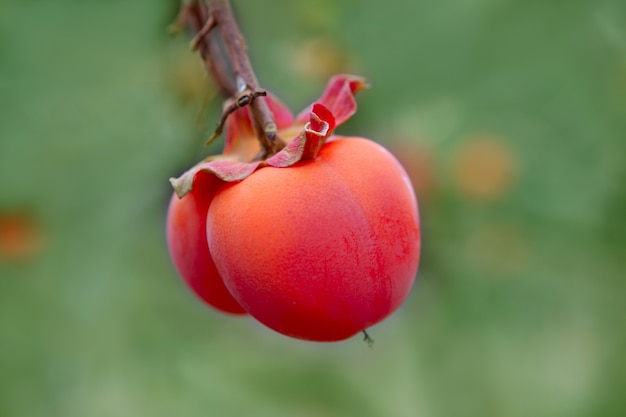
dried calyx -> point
(309, 130)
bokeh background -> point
(509, 116)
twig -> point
(262, 118)
(237, 81)
(210, 24)
(196, 14)
(230, 107)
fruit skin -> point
(187, 244)
(323, 249)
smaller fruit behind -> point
(186, 240)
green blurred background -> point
(509, 115)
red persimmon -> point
(186, 240)
(323, 249)
(318, 240)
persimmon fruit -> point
(187, 244)
(323, 249)
(318, 241)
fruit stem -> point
(367, 339)
(243, 86)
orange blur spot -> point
(20, 236)
(483, 167)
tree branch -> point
(262, 117)
(196, 14)
(242, 85)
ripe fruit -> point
(323, 249)
(186, 240)
(318, 242)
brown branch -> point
(262, 117)
(196, 14)
(230, 107)
(237, 81)
(210, 24)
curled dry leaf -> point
(314, 126)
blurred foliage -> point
(509, 115)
